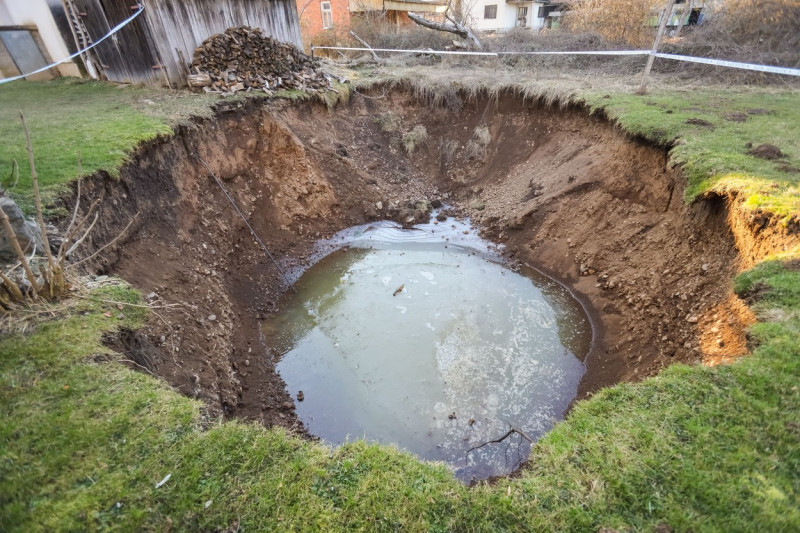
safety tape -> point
(443, 52)
(732, 64)
(582, 53)
(114, 30)
(717, 62)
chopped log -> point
(199, 80)
(243, 58)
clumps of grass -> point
(717, 159)
(415, 138)
(388, 122)
(447, 151)
(476, 146)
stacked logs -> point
(244, 59)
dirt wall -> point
(565, 192)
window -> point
(327, 15)
(490, 12)
(522, 16)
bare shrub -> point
(766, 31)
(375, 29)
(482, 135)
(388, 122)
(476, 146)
(623, 21)
(415, 138)
(33, 279)
(773, 24)
(447, 151)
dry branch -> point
(106, 245)
(364, 43)
(36, 196)
(12, 288)
(501, 439)
(454, 27)
(71, 225)
(18, 250)
(85, 234)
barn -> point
(154, 46)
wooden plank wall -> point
(169, 29)
(128, 56)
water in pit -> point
(422, 338)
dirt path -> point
(565, 192)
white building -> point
(503, 15)
(29, 39)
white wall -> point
(36, 13)
(506, 15)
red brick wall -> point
(311, 22)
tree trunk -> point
(456, 27)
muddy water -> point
(423, 339)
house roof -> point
(417, 6)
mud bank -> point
(565, 192)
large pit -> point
(566, 194)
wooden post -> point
(656, 43)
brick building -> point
(323, 21)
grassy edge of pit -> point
(85, 441)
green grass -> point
(101, 121)
(713, 153)
(105, 122)
(84, 440)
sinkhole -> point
(423, 338)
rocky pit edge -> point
(567, 193)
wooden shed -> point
(158, 44)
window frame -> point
(486, 12)
(326, 13)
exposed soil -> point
(766, 151)
(566, 192)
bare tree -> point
(457, 16)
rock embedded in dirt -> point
(477, 205)
(27, 231)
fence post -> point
(656, 43)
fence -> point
(691, 59)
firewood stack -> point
(243, 59)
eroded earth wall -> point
(564, 191)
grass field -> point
(84, 440)
(713, 131)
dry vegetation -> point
(615, 20)
(754, 31)
(415, 138)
